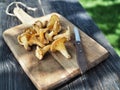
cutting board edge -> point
(105, 56)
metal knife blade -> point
(81, 59)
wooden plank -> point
(55, 70)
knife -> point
(81, 59)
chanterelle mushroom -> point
(37, 25)
(58, 45)
(35, 40)
(66, 34)
(29, 30)
(52, 21)
(40, 52)
(42, 36)
(55, 30)
(23, 39)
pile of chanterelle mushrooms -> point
(48, 36)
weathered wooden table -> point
(105, 76)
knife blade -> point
(81, 59)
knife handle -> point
(81, 58)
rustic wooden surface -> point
(55, 69)
(105, 76)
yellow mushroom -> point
(29, 30)
(42, 36)
(23, 39)
(40, 52)
(56, 29)
(37, 26)
(52, 21)
(66, 34)
(35, 40)
(28, 40)
(58, 45)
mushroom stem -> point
(40, 52)
(56, 29)
(66, 34)
(42, 35)
(23, 40)
(49, 36)
(64, 52)
(58, 45)
(35, 40)
(53, 19)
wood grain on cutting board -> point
(54, 69)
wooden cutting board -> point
(54, 69)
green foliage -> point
(106, 14)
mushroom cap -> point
(23, 40)
(35, 40)
(52, 20)
(56, 27)
(42, 36)
(55, 30)
(29, 30)
(58, 44)
(66, 34)
(37, 25)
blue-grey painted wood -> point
(105, 76)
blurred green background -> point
(106, 14)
